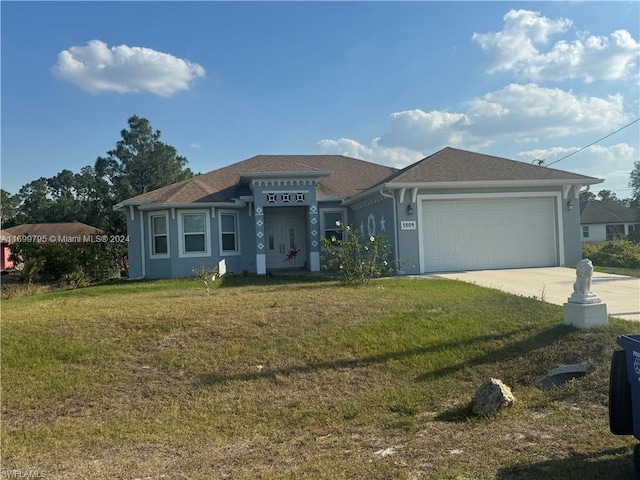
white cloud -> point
(194, 145)
(596, 155)
(398, 157)
(591, 58)
(515, 43)
(613, 163)
(97, 67)
(520, 113)
(523, 113)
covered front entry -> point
(488, 233)
(285, 233)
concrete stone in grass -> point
(491, 397)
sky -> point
(387, 82)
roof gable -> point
(454, 165)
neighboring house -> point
(601, 221)
(454, 210)
(5, 263)
(64, 232)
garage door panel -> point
(488, 233)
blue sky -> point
(385, 82)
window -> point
(585, 231)
(634, 228)
(330, 228)
(159, 235)
(194, 228)
(615, 231)
(229, 233)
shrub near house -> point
(78, 262)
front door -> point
(285, 237)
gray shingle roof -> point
(349, 177)
(454, 165)
(606, 212)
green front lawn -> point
(300, 378)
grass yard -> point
(300, 378)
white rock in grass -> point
(492, 396)
(385, 452)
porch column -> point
(314, 250)
(261, 258)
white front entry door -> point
(285, 232)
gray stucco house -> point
(454, 210)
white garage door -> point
(488, 233)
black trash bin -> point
(624, 392)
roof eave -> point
(556, 182)
(122, 206)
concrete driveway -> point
(555, 285)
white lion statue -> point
(584, 272)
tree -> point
(141, 162)
(634, 183)
(9, 205)
(609, 196)
(587, 196)
(62, 185)
(35, 204)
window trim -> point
(585, 231)
(152, 235)
(612, 236)
(236, 215)
(207, 234)
(323, 225)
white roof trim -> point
(414, 186)
(157, 206)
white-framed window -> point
(328, 219)
(159, 235)
(193, 233)
(585, 231)
(229, 232)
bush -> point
(357, 259)
(617, 253)
(207, 276)
(634, 236)
(57, 260)
(30, 270)
(77, 278)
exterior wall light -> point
(569, 205)
(409, 209)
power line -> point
(591, 144)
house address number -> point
(408, 225)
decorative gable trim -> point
(295, 182)
(367, 202)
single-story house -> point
(454, 210)
(61, 232)
(601, 221)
